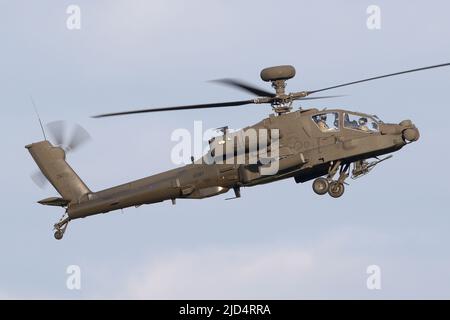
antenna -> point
(39, 118)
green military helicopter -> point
(326, 146)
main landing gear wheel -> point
(320, 186)
(336, 189)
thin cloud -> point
(266, 271)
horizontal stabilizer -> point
(54, 201)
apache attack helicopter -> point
(325, 145)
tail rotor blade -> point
(57, 130)
(78, 137)
(39, 179)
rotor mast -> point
(281, 102)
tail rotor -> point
(66, 136)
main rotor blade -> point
(379, 77)
(244, 86)
(321, 97)
(195, 106)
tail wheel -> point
(59, 234)
(336, 189)
(60, 227)
(320, 186)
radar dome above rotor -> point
(278, 73)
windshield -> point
(377, 118)
(360, 122)
(327, 121)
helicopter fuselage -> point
(307, 150)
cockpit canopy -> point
(360, 122)
(327, 121)
(330, 121)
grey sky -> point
(132, 54)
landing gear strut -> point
(335, 188)
(60, 227)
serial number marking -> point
(247, 309)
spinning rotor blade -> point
(321, 97)
(263, 95)
(379, 77)
(207, 105)
(78, 137)
(195, 106)
(245, 87)
(58, 132)
(39, 179)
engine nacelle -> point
(242, 141)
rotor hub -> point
(282, 102)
